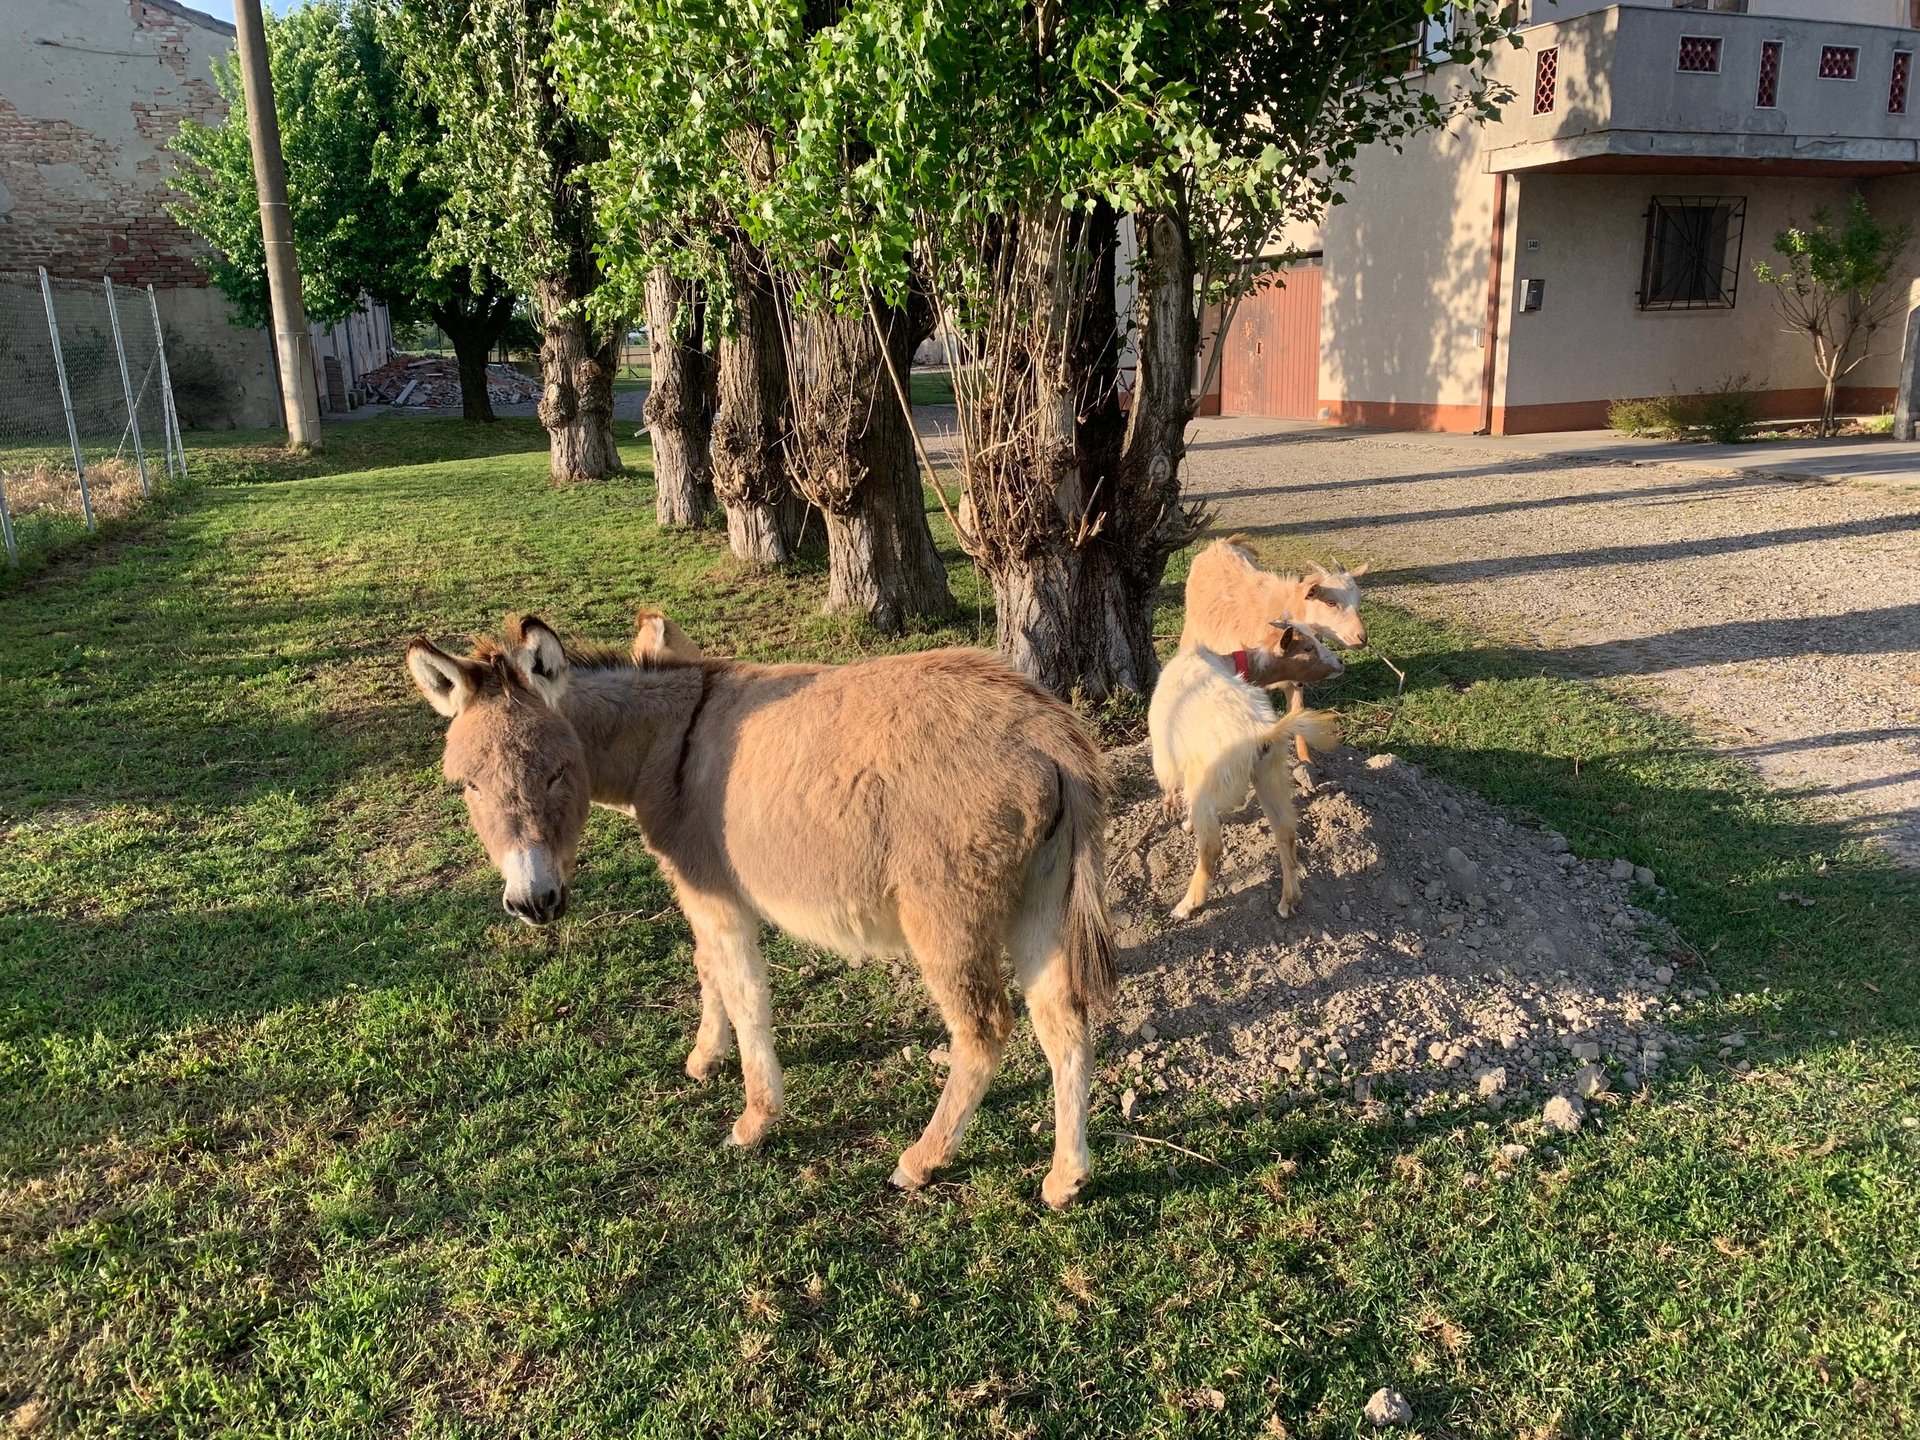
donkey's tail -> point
(1088, 938)
(1318, 728)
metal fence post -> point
(175, 445)
(66, 395)
(6, 527)
(126, 386)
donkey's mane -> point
(581, 655)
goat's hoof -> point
(1183, 910)
(1061, 1186)
(1186, 824)
(1289, 908)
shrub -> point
(1727, 412)
(1881, 424)
(1664, 416)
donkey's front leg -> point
(715, 1036)
(730, 939)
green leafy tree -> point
(363, 217)
(1012, 149)
(807, 355)
(1835, 285)
(513, 160)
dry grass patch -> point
(113, 486)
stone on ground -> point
(1562, 1114)
(1388, 1407)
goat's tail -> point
(1320, 729)
(1088, 933)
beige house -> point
(1597, 242)
(91, 92)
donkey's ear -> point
(537, 654)
(448, 682)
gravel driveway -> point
(1782, 617)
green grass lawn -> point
(300, 1135)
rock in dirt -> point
(1591, 1080)
(1129, 1102)
(1388, 1407)
(1562, 1114)
(1621, 869)
(1493, 1081)
(1643, 876)
(1513, 1154)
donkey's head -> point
(1333, 604)
(514, 756)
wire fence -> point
(87, 424)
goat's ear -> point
(448, 682)
(1357, 571)
(1315, 591)
(537, 654)
(1289, 633)
(655, 637)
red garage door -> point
(1271, 365)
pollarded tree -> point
(702, 102)
(363, 217)
(1836, 287)
(1007, 145)
(513, 159)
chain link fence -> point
(87, 424)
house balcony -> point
(1640, 90)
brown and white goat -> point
(935, 804)
(1232, 604)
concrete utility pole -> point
(1906, 407)
(298, 394)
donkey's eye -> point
(557, 776)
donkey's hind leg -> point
(730, 939)
(962, 969)
(1065, 1032)
(1274, 786)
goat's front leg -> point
(1296, 702)
(729, 937)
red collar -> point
(1240, 663)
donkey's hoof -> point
(1060, 1187)
(703, 1068)
(748, 1131)
(906, 1179)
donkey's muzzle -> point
(541, 909)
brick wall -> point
(87, 107)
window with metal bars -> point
(1731, 7)
(1692, 259)
(1839, 62)
(1546, 75)
(1766, 94)
(1700, 54)
(1897, 85)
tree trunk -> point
(764, 516)
(577, 364)
(680, 399)
(474, 323)
(1070, 620)
(1828, 404)
(853, 457)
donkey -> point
(936, 804)
(1231, 602)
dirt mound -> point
(433, 382)
(1443, 955)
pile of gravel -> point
(1443, 955)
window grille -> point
(1897, 87)
(1839, 62)
(1731, 7)
(1767, 93)
(1546, 74)
(1692, 259)
(1700, 54)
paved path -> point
(1781, 615)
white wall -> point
(1856, 12)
